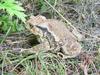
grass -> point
(33, 64)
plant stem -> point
(6, 35)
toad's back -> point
(59, 29)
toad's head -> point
(37, 24)
(36, 20)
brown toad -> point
(57, 34)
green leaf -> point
(16, 7)
(20, 15)
(9, 1)
(5, 27)
(10, 11)
(43, 8)
(13, 9)
(20, 27)
(2, 6)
